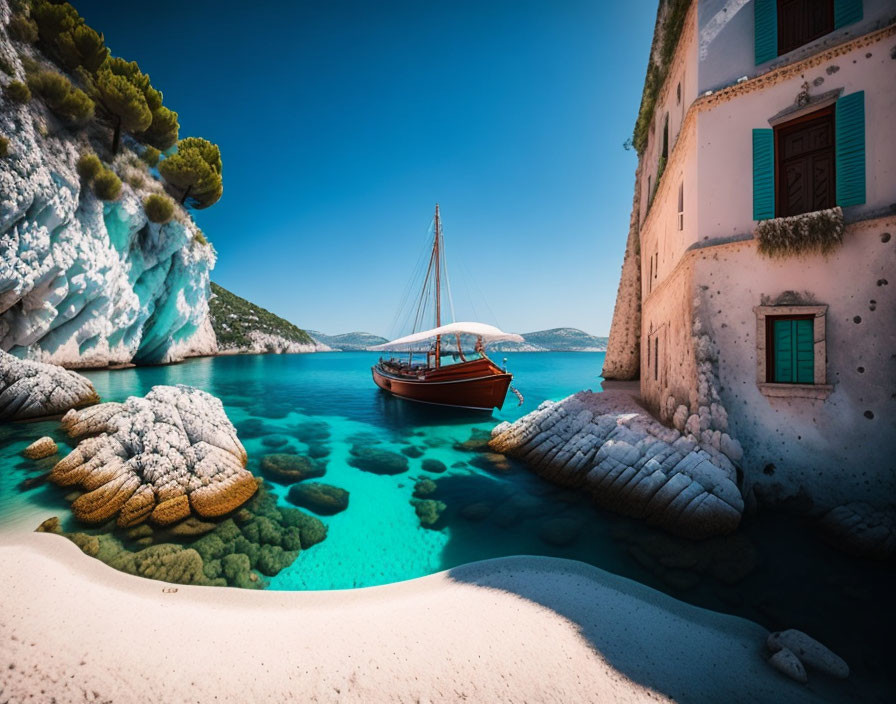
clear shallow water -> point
(774, 570)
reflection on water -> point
(773, 571)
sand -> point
(519, 629)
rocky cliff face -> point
(85, 282)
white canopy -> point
(488, 333)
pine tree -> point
(194, 172)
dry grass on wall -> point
(819, 232)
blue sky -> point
(341, 124)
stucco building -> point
(758, 291)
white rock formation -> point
(263, 343)
(32, 389)
(161, 457)
(809, 651)
(83, 282)
(606, 444)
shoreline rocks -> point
(861, 529)
(794, 651)
(40, 448)
(33, 389)
(609, 446)
(160, 458)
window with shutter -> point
(791, 352)
(802, 21)
(804, 151)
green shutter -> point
(765, 30)
(850, 135)
(847, 12)
(794, 351)
(784, 351)
(763, 174)
(804, 358)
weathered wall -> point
(835, 450)
(726, 39)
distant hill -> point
(349, 341)
(241, 326)
(554, 340)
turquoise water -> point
(774, 570)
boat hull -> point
(478, 384)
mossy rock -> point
(311, 529)
(429, 511)
(434, 466)
(425, 487)
(318, 451)
(288, 469)
(377, 460)
(189, 527)
(273, 558)
(323, 499)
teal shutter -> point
(794, 351)
(847, 12)
(849, 126)
(763, 174)
(765, 30)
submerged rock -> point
(425, 487)
(288, 469)
(434, 466)
(607, 445)
(274, 440)
(789, 664)
(477, 442)
(161, 457)
(861, 529)
(560, 531)
(43, 447)
(428, 511)
(377, 460)
(412, 451)
(33, 389)
(324, 499)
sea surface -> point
(775, 570)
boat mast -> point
(437, 259)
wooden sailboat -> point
(474, 381)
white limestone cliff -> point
(85, 282)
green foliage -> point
(4, 146)
(107, 185)
(135, 180)
(816, 232)
(88, 167)
(158, 208)
(151, 156)
(23, 29)
(18, 91)
(64, 36)
(670, 22)
(194, 172)
(6, 66)
(120, 90)
(199, 237)
(163, 130)
(233, 318)
(70, 103)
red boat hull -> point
(477, 384)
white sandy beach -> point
(520, 629)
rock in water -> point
(33, 389)
(786, 662)
(429, 511)
(289, 469)
(607, 445)
(861, 529)
(809, 651)
(323, 499)
(161, 457)
(44, 447)
(377, 461)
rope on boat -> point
(518, 395)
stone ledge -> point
(818, 391)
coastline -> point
(510, 629)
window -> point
(802, 21)
(656, 358)
(791, 358)
(678, 94)
(681, 206)
(790, 350)
(666, 138)
(805, 156)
